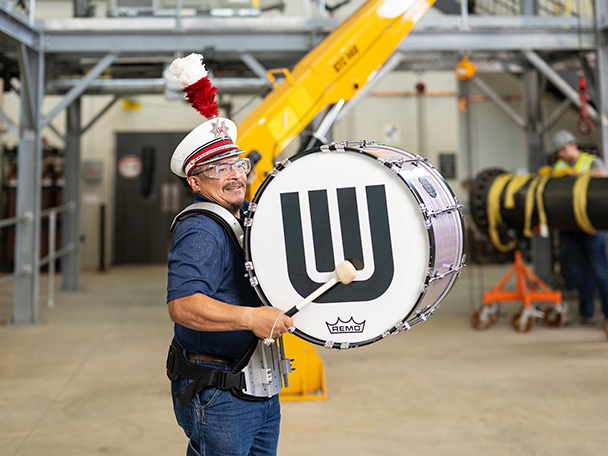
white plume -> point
(188, 69)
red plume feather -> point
(201, 95)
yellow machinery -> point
(335, 70)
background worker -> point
(582, 255)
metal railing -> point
(53, 254)
(565, 8)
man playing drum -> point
(217, 314)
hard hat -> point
(562, 138)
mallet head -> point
(346, 272)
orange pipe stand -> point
(529, 287)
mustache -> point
(235, 183)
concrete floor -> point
(90, 380)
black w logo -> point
(350, 228)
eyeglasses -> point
(222, 170)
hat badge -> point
(219, 128)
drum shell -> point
(445, 229)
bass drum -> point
(381, 205)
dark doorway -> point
(148, 196)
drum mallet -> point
(345, 273)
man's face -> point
(228, 191)
(569, 153)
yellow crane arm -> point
(336, 69)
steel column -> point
(29, 175)
(70, 264)
(601, 18)
(541, 248)
(464, 126)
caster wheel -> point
(521, 325)
(495, 313)
(553, 318)
(478, 322)
(484, 317)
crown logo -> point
(345, 327)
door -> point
(148, 196)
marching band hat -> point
(212, 140)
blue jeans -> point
(583, 259)
(219, 424)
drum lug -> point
(452, 270)
(247, 222)
(254, 281)
(401, 326)
(422, 315)
(283, 164)
(362, 144)
(448, 210)
(394, 166)
(338, 146)
(248, 265)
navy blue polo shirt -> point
(203, 260)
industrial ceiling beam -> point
(79, 89)
(568, 91)
(16, 29)
(233, 37)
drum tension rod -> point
(440, 212)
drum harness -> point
(262, 370)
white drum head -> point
(325, 207)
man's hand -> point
(261, 319)
(202, 313)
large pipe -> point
(514, 205)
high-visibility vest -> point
(582, 165)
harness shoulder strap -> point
(218, 213)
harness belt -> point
(203, 376)
(259, 375)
